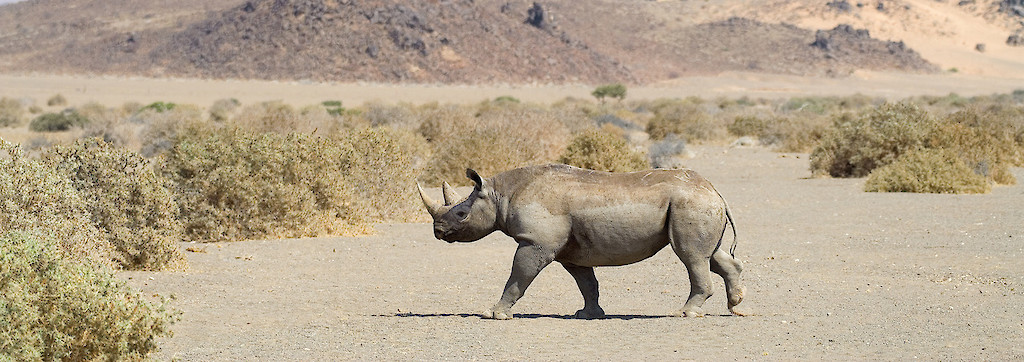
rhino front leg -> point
(587, 282)
(528, 262)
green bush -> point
(11, 112)
(509, 99)
(131, 206)
(52, 308)
(615, 90)
(334, 108)
(55, 122)
(859, 144)
(37, 200)
(159, 107)
(599, 150)
(927, 171)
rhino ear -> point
(479, 181)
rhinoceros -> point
(585, 219)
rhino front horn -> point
(450, 197)
(433, 207)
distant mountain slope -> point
(467, 41)
(382, 40)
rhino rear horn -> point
(433, 207)
(450, 197)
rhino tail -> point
(730, 223)
(728, 218)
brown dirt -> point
(832, 273)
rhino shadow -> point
(524, 316)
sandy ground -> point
(114, 91)
(832, 273)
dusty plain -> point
(833, 273)
(114, 91)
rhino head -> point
(464, 220)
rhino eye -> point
(460, 214)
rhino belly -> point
(615, 235)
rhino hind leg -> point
(587, 282)
(699, 270)
(729, 268)
(694, 238)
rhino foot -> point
(735, 299)
(498, 314)
(596, 313)
(696, 312)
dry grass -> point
(12, 114)
(489, 139)
(600, 150)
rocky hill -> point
(459, 41)
(383, 40)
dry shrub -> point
(829, 104)
(795, 132)
(984, 141)
(131, 206)
(927, 171)
(270, 117)
(110, 124)
(382, 170)
(131, 107)
(234, 184)
(490, 141)
(282, 118)
(57, 100)
(222, 109)
(600, 150)
(160, 128)
(44, 203)
(398, 116)
(12, 114)
(859, 144)
(54, 309)
(668, 153)
(687, 118)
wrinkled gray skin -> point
(583, 219)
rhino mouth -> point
(442, 234)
